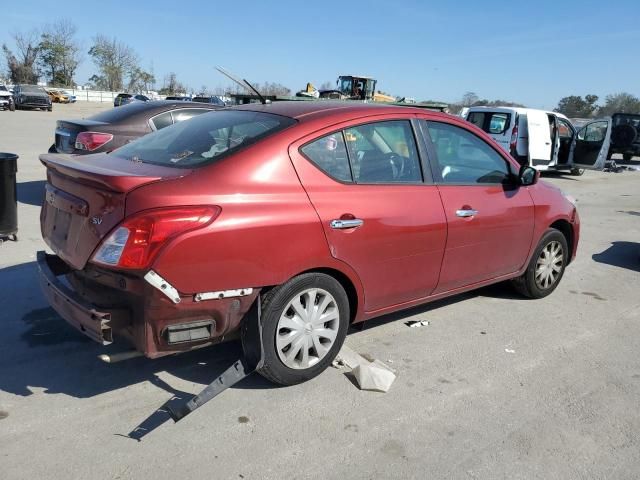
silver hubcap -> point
(307, 328)
(549, 265)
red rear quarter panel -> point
(266, 233)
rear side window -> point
(161, 121)
(329, 154)
(383, 152)
(204, 139)
(490, 122)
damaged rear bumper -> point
(93, 322)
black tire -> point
(273, 304)
(627, 156)
(527, 284)
(623, 136)
(50, 109)
(577, 172)
(12, 106)
(53, 149)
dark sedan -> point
(109, 130)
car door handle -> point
(466, 213)
(342, 224)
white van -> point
(545, 140)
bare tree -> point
(114, 60)
(171, 85)
(619, 103)
(59, 52)
(469, 99)
(327, 86)
(22, 63)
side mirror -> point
(528, 176)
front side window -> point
(594, 132)
(329, 154)
(564, 129)
(383, 152)
(204, 139)
(463, 158)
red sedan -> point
(325, 213)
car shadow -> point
(559, 174)
(40, 351)
(31, 193)
(621, 254)
(500, 290)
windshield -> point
(31, 89)
(203, 139)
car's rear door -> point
(540, 147)
(490, 219)
(591, 144)
(380, 215)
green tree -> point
(577, 107)
(619, 103)
(59, 53)
(115, 60)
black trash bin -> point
(8, 196)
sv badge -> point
(96, 220)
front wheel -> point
(304, 324)
(578, 172)
(627, 156)
(546, 266)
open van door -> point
(590, 145)
(539, 138)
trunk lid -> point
(85, 199)
(67, 131)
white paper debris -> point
(508, 350)
(418, 323)
(350, 358)
(374, 376)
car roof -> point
(513, 109)
(144, 110)
(307, 110)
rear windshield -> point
(124, 95)
(626, 119)
(203, 139)
(490, 122)
(116, 114)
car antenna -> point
(243, 83)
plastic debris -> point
(508, 350)
(417, 323)
(348, 358)
(374, 376)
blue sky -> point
(533, 52)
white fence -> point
(97, 95)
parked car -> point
(326, 213)
(126, 98)
(6, 99)
(31, 96)
(214, 99)
(543, 140)
(57, 96)
(625, 135)
(72, 98)
(111, 129)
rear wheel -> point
(627, 156)
(577, 172)
(546, 267)
(304, 323)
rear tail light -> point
(514, 140)
(92, 140)
(135, 243)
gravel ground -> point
(495, 387)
